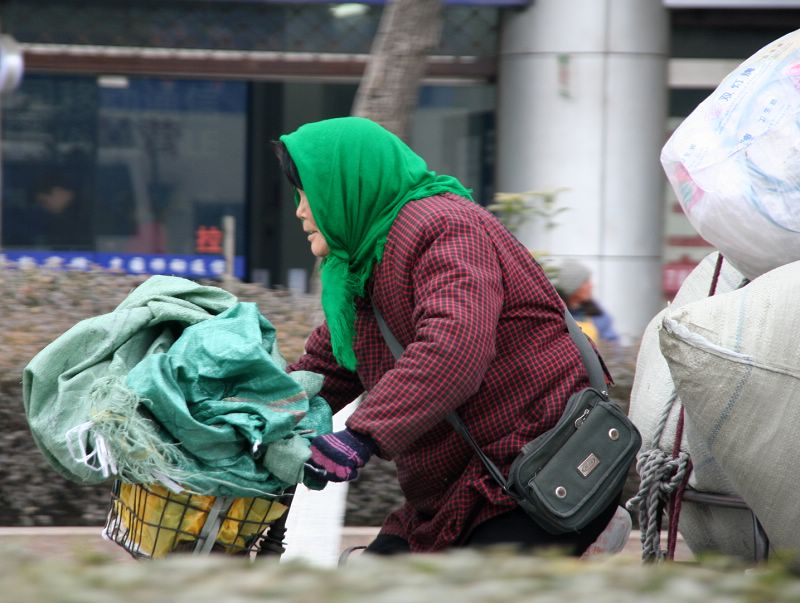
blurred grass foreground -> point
(464, 576)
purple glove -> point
(337, 457)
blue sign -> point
(188, 266)
(150, 94)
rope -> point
(664, 479)
(715, 278)
(676, 503)
(674, 519)
(661, 475)
(677, 500)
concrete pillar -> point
(583, 105)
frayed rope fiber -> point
(135, 442)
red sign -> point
(674, 273)
(208, 239)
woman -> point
(483, 332)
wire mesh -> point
(239, 26)
(151, 522)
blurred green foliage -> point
(515, 210)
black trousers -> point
(513, 528)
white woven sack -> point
(703, 527)
(652, 386)
(735, 363)
(734, 162)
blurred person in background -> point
(573, 281)
(482, 328)
(55, 217)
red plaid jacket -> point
(484, 334)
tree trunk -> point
(408, 32)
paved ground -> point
(360, 536)
(65, 543)
(61, 543)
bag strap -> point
(597, 377)
(590, 360)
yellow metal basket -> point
(150, 521)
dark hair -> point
(287, 164)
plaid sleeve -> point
(340, 386)
(458, 296)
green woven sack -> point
(181, 385)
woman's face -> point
(582, 294)
(319, 246)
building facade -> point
(142, 129)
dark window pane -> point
(123, 165)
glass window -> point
(170, 164)
(49, 148)
(454, 129)
(123, 166)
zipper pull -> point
(580, 420)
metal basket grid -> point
(150, 521)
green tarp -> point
(180, 384)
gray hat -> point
(571, 275)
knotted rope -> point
(661, 475)
(664, 478)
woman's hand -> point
(337, 457)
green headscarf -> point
(357, 177)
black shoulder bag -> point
(567, 476)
